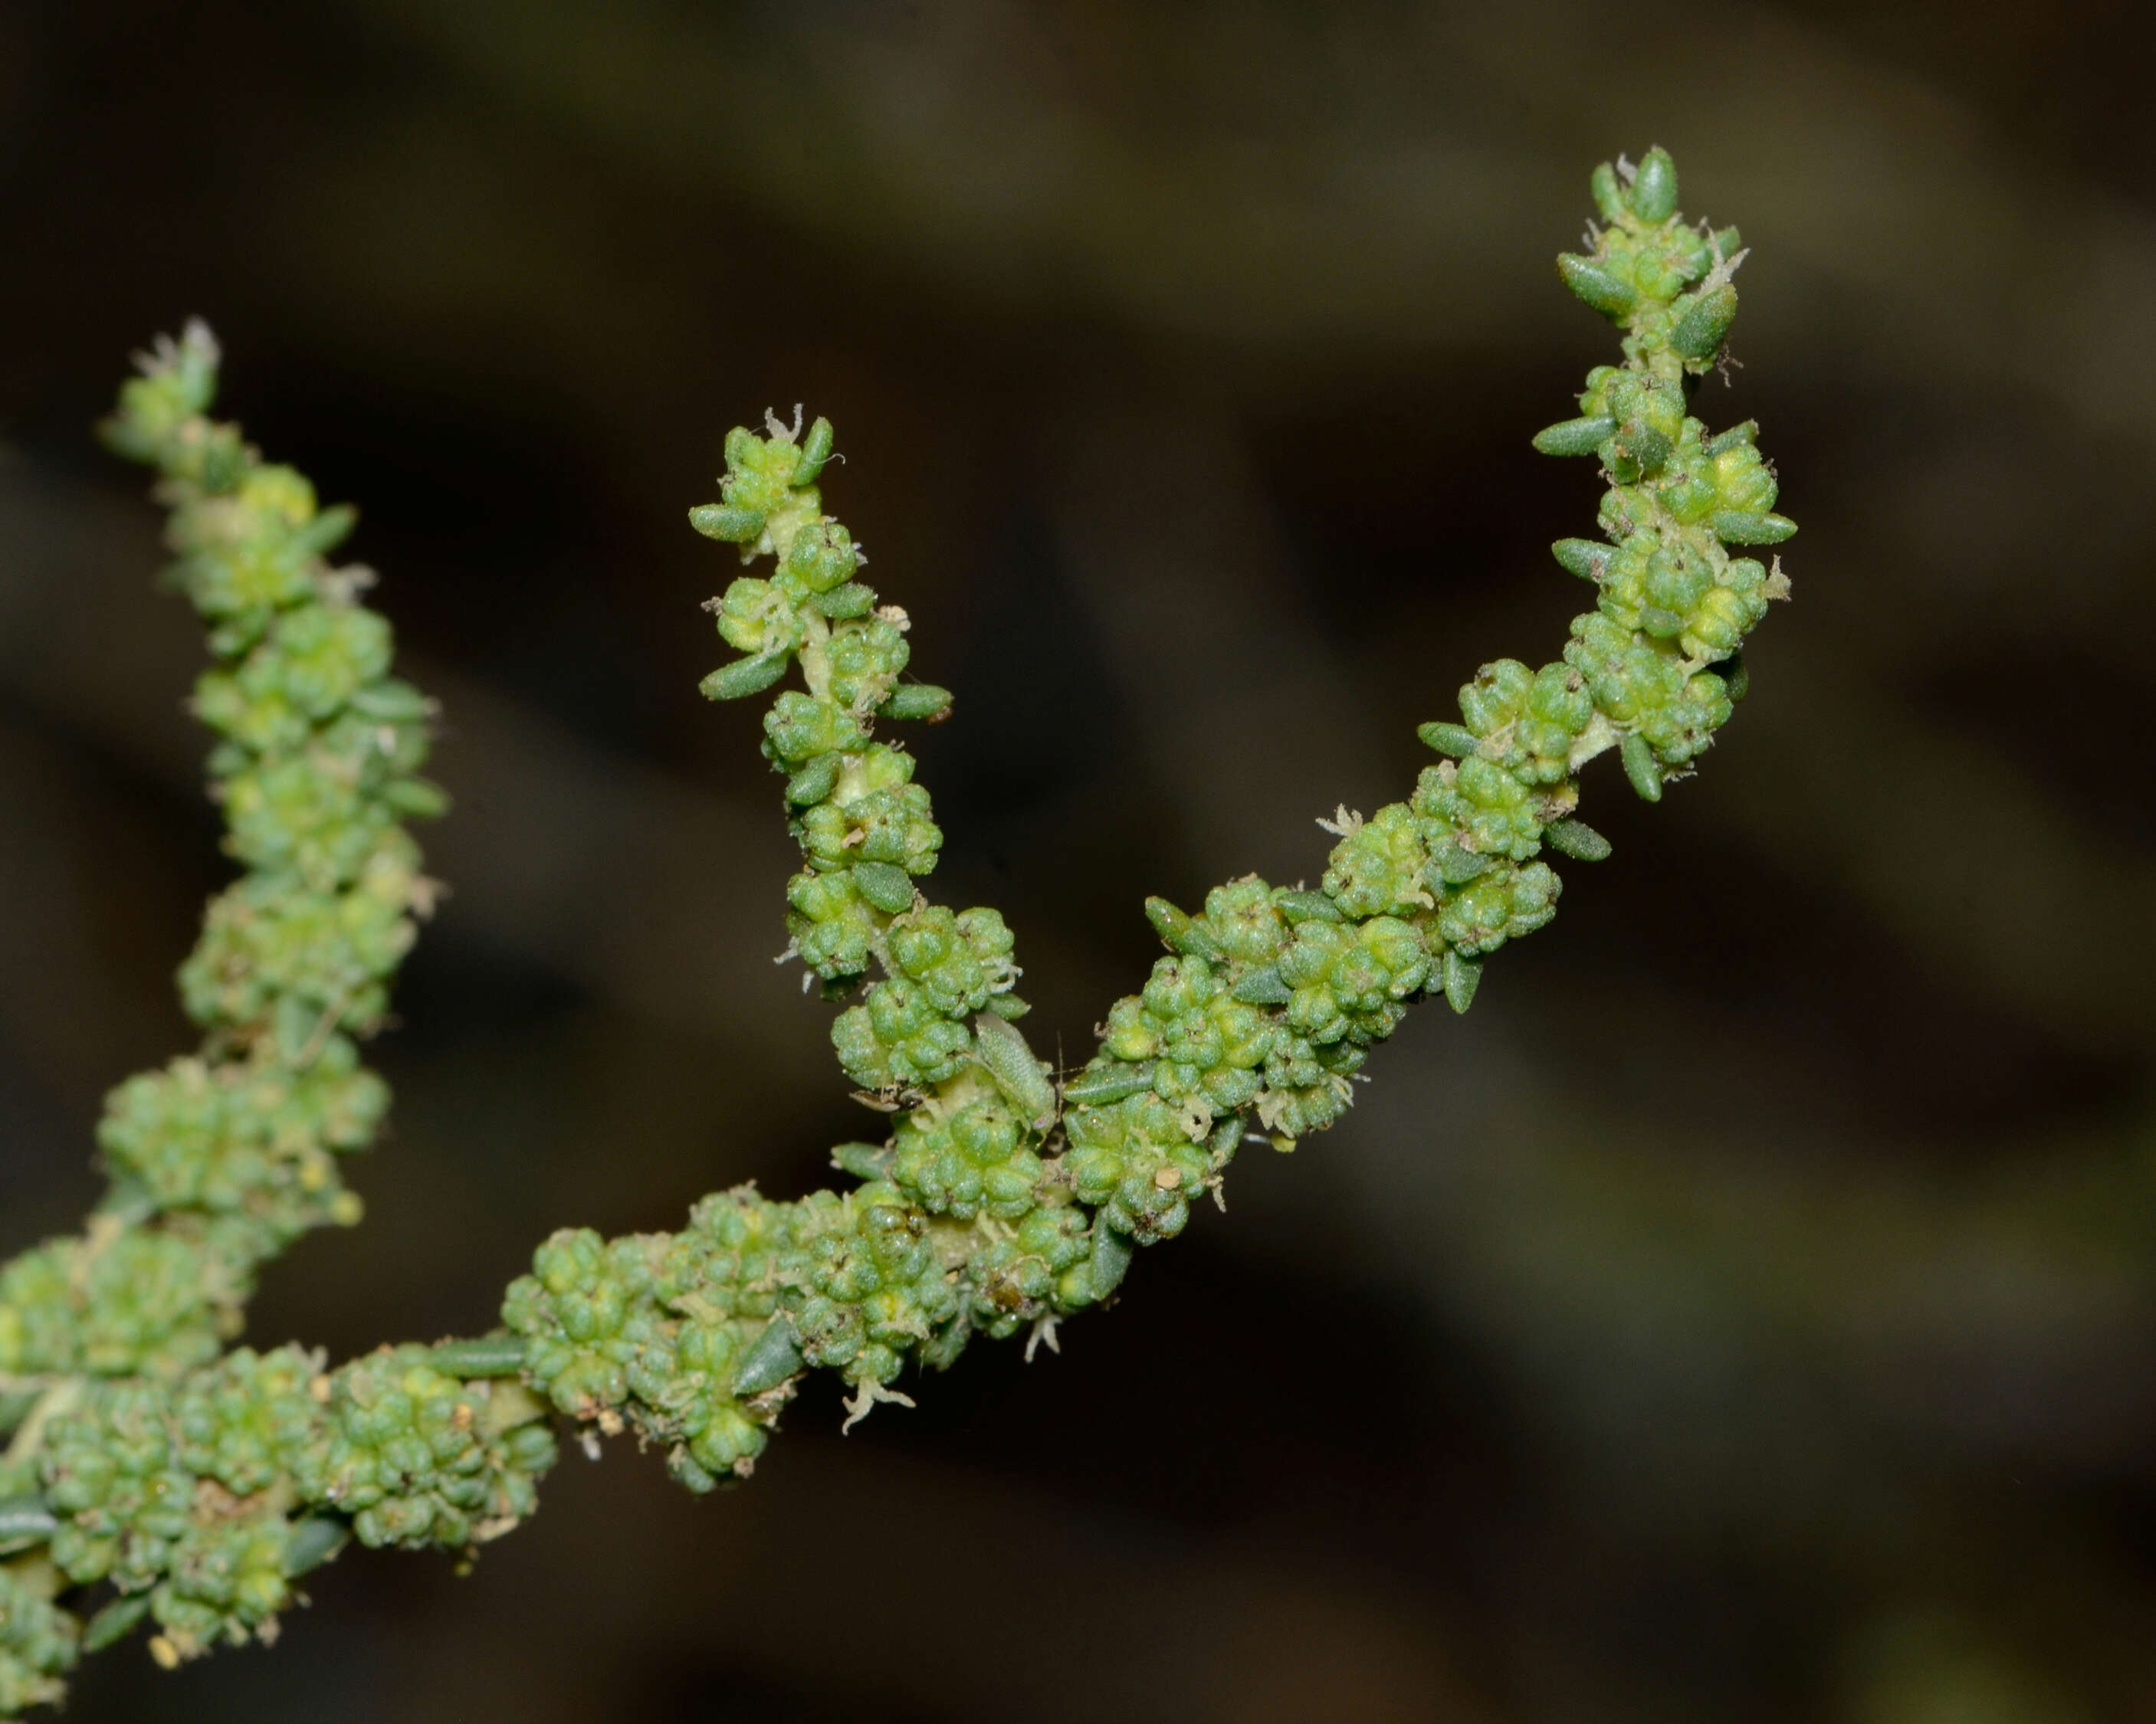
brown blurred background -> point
(1747, 1313)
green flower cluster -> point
(866, 830)
(37, 1638)
(181, 1481)
(693, 1338)
(967, 1152)
(1000, 1201)
(1272, 997)
(120, 1299)
(196, 1489)
(888, 1269)
(418, 1457)
(1671, 601)
(657, 1329)
(200, 1502)
(1268, 1007)
(220, 1160)
(249, 1140)
(116, 1480)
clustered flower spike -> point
(1272, 997)
(223, 1159)
(186, 1488)
(694, 1339)
(999, 1202)
(195, 1490)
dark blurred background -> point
(1748, 1312)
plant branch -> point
(153, 1476)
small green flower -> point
(892, 826)
(113, 1476)
(1505, 903)
(305, 962)
(140, 1303)
(1351, 981)
(800, 728)
(413, 1456)
(834, 930)
(585, 1310)
(243, 1422)
(971, 1158)
(1245, 922)
(759, 616)
(1646, 687)
(1021, 1276)
(1377, 869)
(38, 1645)
(899, 1038)
(227, 1579)
(1138, 1164)
(961, 961)
(872, 1289)
(864, 658)
(821, 556)
(1479, 806)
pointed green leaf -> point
(1577, 839)
(744, 676)
(1595, 284)
(1462, 976)
(1641, 767)
(1655, 189)
(1574, 437)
